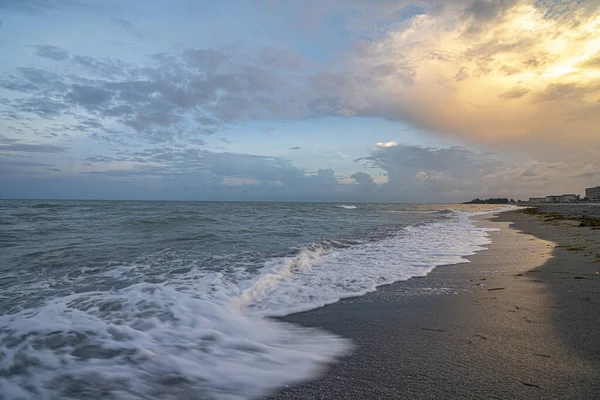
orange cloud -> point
(525, 72)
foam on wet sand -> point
(520, 321)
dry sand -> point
(521, 321)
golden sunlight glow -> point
(521, 73)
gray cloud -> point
(89, 96)
(22, 163)
(277, 58)
(32, 148)
(52, 53)
(515, 93)
(425, 172)
(364, 180)
(485, 10)
(205, 60)
(43, 107)
(198, 91)
(295, 148)
(127, 26)
(218, 169)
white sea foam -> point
(203, 334)
(153, 341)
(346, 207)
(317, 277)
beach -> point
(520, 321)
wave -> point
(47, 205)
(172, 220)
(200, 333)
(319, 276)
(440, 212)
(154, 341)
(346, 207)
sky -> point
(318, 100)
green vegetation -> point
(593, 223)
(584, 221)
(490, 201)
(576, 248)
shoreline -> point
(506, 325)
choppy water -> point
(136, 300)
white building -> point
(593, 194)
(567, 198)
(552, 199)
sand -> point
(521, 321)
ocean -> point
(174, 300)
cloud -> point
(364, 180)
(456, 173)
(127, 26)
(386, 144)
(210, 174)
(403, 163)
(277, 58)
(88, 96)
(52, 53)
(32, 148)
(197, 91)
(490, 72)
(22, 163)
(295, 148)
(591, 62)
(514, 93)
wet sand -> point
(520, 321)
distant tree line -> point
(492, 200)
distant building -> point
(537, 199)
(568, 198)
(552, 199)
(593, 194)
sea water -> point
(172, 300)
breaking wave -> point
(201, 333)
(346, 207)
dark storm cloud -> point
(455, 161)
(364, 180)
(425, 171)
(52, 53)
